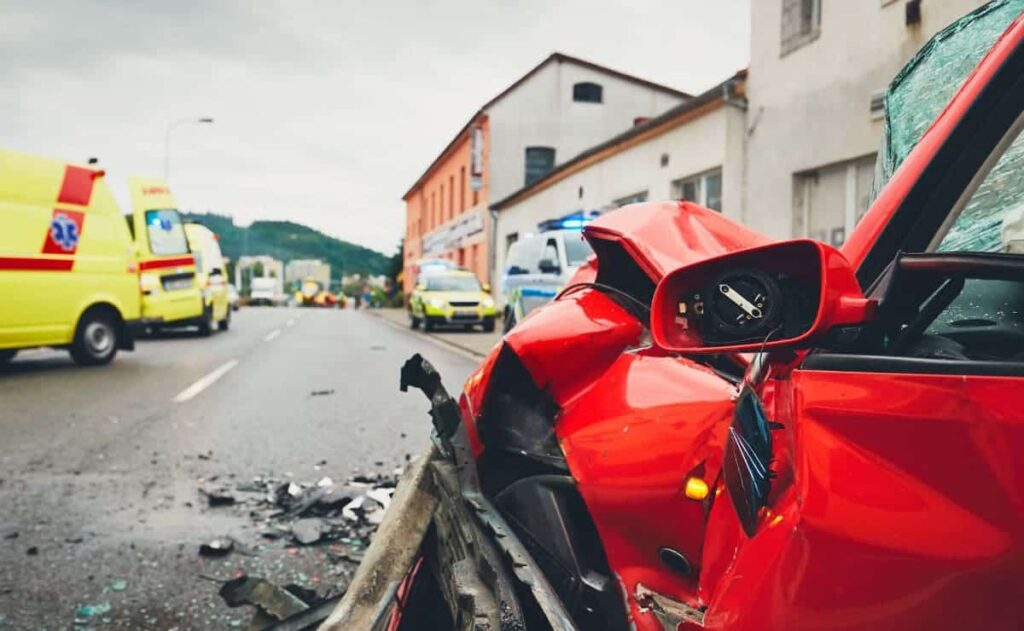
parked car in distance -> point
(264, 291)
(67, 266)
(210, 277)
(451, 298)
(537, 267)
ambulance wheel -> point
(207, 324)
(225, 324)
(7, 354)
(96, 338)
(489, 324)
(428, 325)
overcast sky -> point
(326, 112)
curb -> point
(441, 341)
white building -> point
(298, 270)
(818, 69)
(692, 151)
(561, 107)
(550, 114)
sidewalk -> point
(476, 342)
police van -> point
(67, 268)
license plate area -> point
(177, 282)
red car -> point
(718, 431)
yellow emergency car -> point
(211, 277)
(68, 275)
(171, 295)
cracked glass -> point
(925, 85)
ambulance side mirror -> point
(788, 293)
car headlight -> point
(436, 303)
(487, 302)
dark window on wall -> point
(539, 162)
(451, 196)
(801, 23)
(462, 189)
(587, 92)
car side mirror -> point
(515, 270)
(788, 293)
(547, 266)
(216, 272)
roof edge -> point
(553, 57)
(575, 164)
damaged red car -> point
(711, 429)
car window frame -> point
(945, 181)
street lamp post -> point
(167, 140)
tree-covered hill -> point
(286, 240)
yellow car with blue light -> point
(451, 298)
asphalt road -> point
(99, 467)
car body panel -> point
(64, 247)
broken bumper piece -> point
(444, 557)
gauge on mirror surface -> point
(736, 305)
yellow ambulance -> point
(171, 291)
(68, 275)
(211, 276)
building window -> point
(587, 92)
(462, 189)
(704, 189)
(539, 162)
(801, 23)
(451, 196)
(635, 198)
(829, 201)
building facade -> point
(559, 108)
(693, 151)
(818, 71)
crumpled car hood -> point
(663, 236)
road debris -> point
(291, 607)
(307, 531)
(217, 548)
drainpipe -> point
(493, 251)
(730, 98)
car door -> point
(906, 440)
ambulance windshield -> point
(166, 232)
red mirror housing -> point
(782, 294)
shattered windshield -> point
(926, 84)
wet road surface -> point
(99, 467)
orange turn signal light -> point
(696, 489)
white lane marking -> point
(291, 322)
(270, 336)
(204, 383)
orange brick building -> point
(446, 210)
